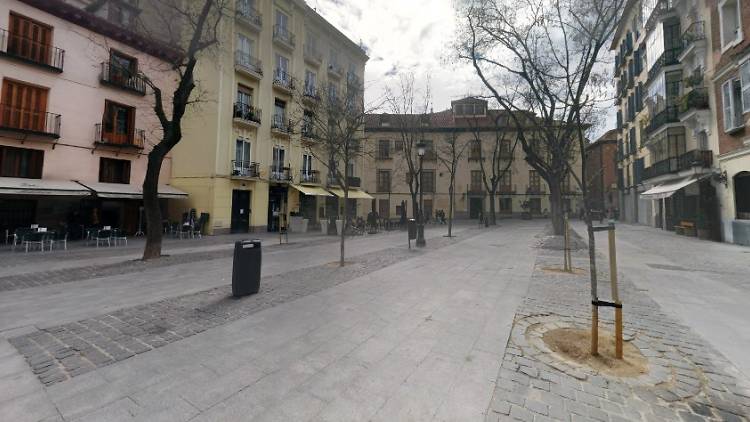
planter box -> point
(298, 224)
(324, 226)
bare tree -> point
(542, 57)
(449, 153)
(409, 108)
(498, 164)
(333, 123)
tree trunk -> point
(556, 208)
(344, 225)
(493, 220)
(414, 204)
(451, 196)
(151, 205)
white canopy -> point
(130, 191)
(666, 190)
(44, 187)
(312, 190)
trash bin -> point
(246, 268)
(412, 225)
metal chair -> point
(119, 236)
(61, 240)
(103, 236)
(34, 238)
(18, 236)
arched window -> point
(742, 195)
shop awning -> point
(42, 187)
(312, 190)
(665, 190)
(353, 193)
(130, 191)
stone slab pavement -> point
(704, 284)
(417, 340)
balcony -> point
(29, 122)
(277, 173)
(283, 81)
(687, 161)
(335, 71)
(283, 38)
(352, 79)
(281, 126)
(122, 78)
(354, 182)
(664, 117)
(670, 57)
(663, 8)
(535, 190)
(311, 94)
(247, 115)
(312, 55)
(30, 51)
(248, 65)
(308, 131)
(249, 17)
(310, 177)
(506, 190)
(245, 169)
(693, 38)
(697, 99)
(135, 140)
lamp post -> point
(421, 149)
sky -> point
(406, 36)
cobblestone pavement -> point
(44, 278)
(61, 352)
(687, 379)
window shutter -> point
(726, 100)
(745, 83)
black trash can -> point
(412, 225)
(246, 268)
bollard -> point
(615, 292)
(594, 330)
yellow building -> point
(520, 190)
(243, 158)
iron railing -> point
(249, 14)
(694, 32)
(283, 35)
(120, 77)
(280, 173)
(29, 121)
(247, 62)
(535, 190)
(309, 176)
(245, 168)
(283, 79)
(686, 161)
(280, 124)
(31, 51)
(247, 113)
(311, 93)
(668, 115)
(696, 99)
(669, 57)
(136, 139)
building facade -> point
(245, 158)
(729, 49)
(667, 133)
(601, 172)
(521, 189)
(76, 119)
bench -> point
(685, 228)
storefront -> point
(687, 205)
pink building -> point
(76, 119)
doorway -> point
(475, 207)
(240, 211)
(276, 208)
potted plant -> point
(526, 215)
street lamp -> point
(421, 150)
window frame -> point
(744, 73)
(740, 36)
(123, 178)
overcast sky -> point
(408, 36)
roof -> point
(436, 120)
(622, 24)
(609, 137)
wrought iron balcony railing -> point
(136, 139)
(309, 176)
(686, 161)
(29, 121)
(668, 115)
(31, 51)
(121, 77)
(696, 99)
(280, 124)
(669, 57)
(247, 113)
(694, 32)
(283, 80)
(245, 168)
(280, 173)
(248, 63)
(249, 15)
(283, 35)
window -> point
(505, 182)
(279, 113)
(384, 181)
(731, 97)
(307, 165)
(384, 149)
(384, 208)
(506, 205)
(350, 170)
(428, 181)
(475, 150)
(242, 153)
(282, 22)
(332, 93)
(729, 23)
(742, 195)
(310, 83)
(244, 95)
(21, 162)
(122, 67)
(476, 181)
(745, 84)
(29, 39)
(308, 119)
(118, 122)
(114, 171)
(429, 150)
(245, 48)
(277, 165)
(121, 13)
(398, 145)
(535, 182)
(23, 106)
(282, 69)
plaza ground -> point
(396, 335)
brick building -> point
(601, 171)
